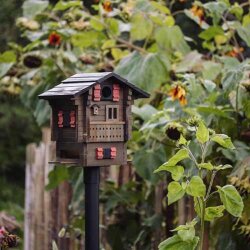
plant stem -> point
(198, 201)
(192, 156)
(210, 184)
(211, 195)
(203, 200)
(202, 225)
(237, 109)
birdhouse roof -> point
(81, 83)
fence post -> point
(46, 212)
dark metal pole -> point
(92, 181)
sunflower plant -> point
(197, 182)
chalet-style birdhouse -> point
(91, 118)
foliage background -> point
(200, 47)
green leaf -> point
(145, 71)
(184, 185)
(169, 21)
(4, 68)
(176, 243)
(231, 199)
(87, 39)
(141, 26)
(176, 171)
(213, 212)
(62, 5)
(187, 235)
(223, 140)
(244, 33)
(231, 78)
(171, 38)
(237, 10)
(57, 176)
(34, 7)
(186, 226)
(118, 54)
(191, 62)
(202, 133)
(113, 26)
(246, 108)
(198, 206)
(108, 44)
(179, 156)
(8, 57)
(213, 110)
(145, 112)
(96, 24)
(222, 167)
(182, 141)
(209, 85)
(175, 192)
(207, 166)
(196, 187)
(246, 20)
(145, 161)
(211, 32)
(186, 232)
(216, 10)
(220, 39)
(161, 8)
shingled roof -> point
(81, 83)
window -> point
(106, 153)
(112, 112)
(66, 119)
(106, 93)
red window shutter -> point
(116, 92)
(97, 93)
(72, 119)
(113, 152)
(99, 153)
(60, 119)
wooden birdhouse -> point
(91, 118)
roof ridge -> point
(75, 86)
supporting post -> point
(92, 181)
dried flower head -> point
(198, 12)
(174, 130)
(27, 23)
(32, 61)
(193, 121)
(107, 6)
(54, 39)
(235, 52)
(178, 93)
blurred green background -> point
(202, 47)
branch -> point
(131, 45)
